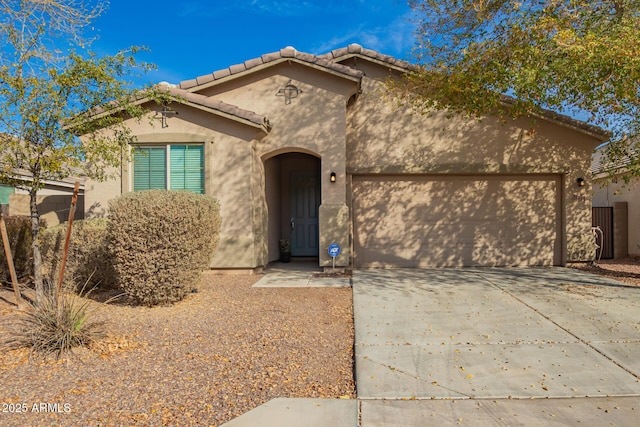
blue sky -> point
(190, 38)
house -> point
(53, 199)
(308, 148)
(616, 210)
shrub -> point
(19, 232)
(89, 259)
(161, 242)
(56, 326)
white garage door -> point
(436, 221)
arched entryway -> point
(293, 193)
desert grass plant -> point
(56, 325)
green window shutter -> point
(149, 168)
(5, 191)
(187, 168)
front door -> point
(305, 200)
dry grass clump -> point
(55, 326)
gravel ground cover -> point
(204, 361)
(624, 270)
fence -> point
(603, 218)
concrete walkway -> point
(531, 346)
(299, 274)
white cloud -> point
(396, 38)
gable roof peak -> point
(356, 50)
(288, 53)
(167, 84)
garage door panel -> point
(427, 221)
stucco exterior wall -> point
(313, 123)
(274, 213)
(385, 139)
(54, 201)
(229, 178)
(606, 196)
(53, 208)
(232, 184)
(349, 125)
(98, 194)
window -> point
(5, 191)
(174, 167)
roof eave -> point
(264, 126)
(233, 76)
(104, 113)
(585, 128)
(400, 68)
(233, 113)
(565, 121)
(69, 182)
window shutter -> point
(187, 168)
(149, 168)
(5, 191)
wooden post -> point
(7, 251)
(72, 212)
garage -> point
(457, 220)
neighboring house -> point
(5, 192)
(54, 199)
(616, 211)
(308, 148)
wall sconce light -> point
(332, 177)
(580, 182)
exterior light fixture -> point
(580, 182)
(332, 177)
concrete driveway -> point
(530, 346)
(481, 347)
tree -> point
(579, 57)
(51, 87)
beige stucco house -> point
(307, 148)
(54, 199)
(617, 210)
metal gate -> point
(603, 218)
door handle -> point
(293, 224)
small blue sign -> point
(334, 250)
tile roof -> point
(567, 121)
(288, 53)
(76, 174)
(223, 108)
(330, 61)
(19, 173)
(69, 182)
(600, 164)
(355, 49)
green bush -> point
(161, 242)
(89, 259)
(19, 232)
